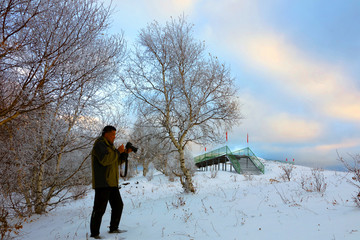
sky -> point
(296, 65)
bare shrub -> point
(179, 202)
(10, 222)
(353, 167)
(234, 178)
(187, 215)
(248, 177)
(315, 182)
(214, 173)
(283, 197)
(319, 180)
(357, 200)
(135, 204)
(5, 228)
(79, 191)
(287, 172)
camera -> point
(130, 146)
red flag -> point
(226, 136)
(205, 149)
(247, 138)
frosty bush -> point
(174, 168)
(56, 64)
(314, 183)
(150, 174)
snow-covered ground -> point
(229, 206)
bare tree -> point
(180, 89)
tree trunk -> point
(187, 184)
(145, 168)
(39, 205)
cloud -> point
(133, 15)
(346, 106)
(346, 144)
(168, 8)
(286, 128)
(240, 28)
(267, 124)
(332, 92)
(160, 10)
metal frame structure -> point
(243, 160)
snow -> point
(228, 206)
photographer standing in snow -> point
(105, 161)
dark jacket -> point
(105, 161)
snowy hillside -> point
(228, 206)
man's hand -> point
(122, 149)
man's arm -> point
(103, 155)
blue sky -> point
(296, 65)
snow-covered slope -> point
(229, 206)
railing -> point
(234, 162)
(213, 154)
(247, 152)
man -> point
(105, 159)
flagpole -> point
(247, 139)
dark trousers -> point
(102, 197)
